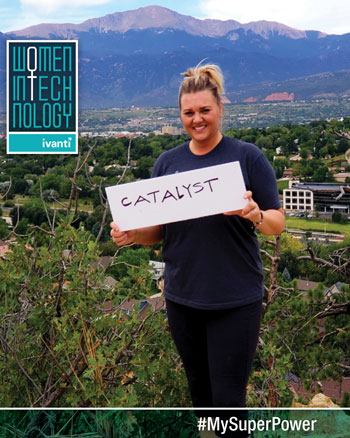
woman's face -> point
(200, 115)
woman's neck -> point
(198, 148)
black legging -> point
(217, 349)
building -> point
(288, 173)
(305, 285)
(330, 388)
(342, 177)
(297, 199)
(335, 289)
(157, 269)
(155, 302)
(4, 247)
(295, 158)
(324, 197)
(171, 130)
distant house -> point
(103, 262)
(335, 289)
(171, 130)
(157, 269)
(330, 388)
(288, 173)
(109, 283)
(112, 166)
(342, 176)
(155, 302)
(336, 169)
(277, 156)
(278, 151)
(4, 247)
(305, 285)
(295, 158)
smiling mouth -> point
(199, 128)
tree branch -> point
(21, 366)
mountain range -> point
(136, 57)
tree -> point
(320, 174)
(50, 195)
(343, 146)
(33, 210)
(144, 166)
(337, 217)
(265, 142)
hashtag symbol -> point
(202, 423)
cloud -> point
(24, 13)
(47, 7)
(323, 15)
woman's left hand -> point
(251, 211)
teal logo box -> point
(42, 97)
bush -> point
(72, 353)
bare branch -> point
(103, 222)
(335, 309)
(334, 332)
(46, 211)
(103, 199)
(74, 188)
(341, 134)
(342, 267)
(127, 163)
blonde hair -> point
(203, 77)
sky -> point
(329, 16)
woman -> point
(213, 275)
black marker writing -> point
(209, 181)
(176, 193)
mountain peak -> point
(159, 17)
(136, 19)
(141, 18)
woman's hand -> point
(269, 222)
(121, 238)
(140, 236)
(251, 211)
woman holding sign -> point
(213, 274)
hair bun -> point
(213, 72)
(202, 77)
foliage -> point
(60, 349)
(339, 218)
(303, 334)
(98, 424)
(4, 230)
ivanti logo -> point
(42, 97)
(57, 144)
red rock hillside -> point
(279, 97)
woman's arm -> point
(141, 236)
(268, 222)
(272, 222)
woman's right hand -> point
(122, 238)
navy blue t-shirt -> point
(214, 262)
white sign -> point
(177, 197)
